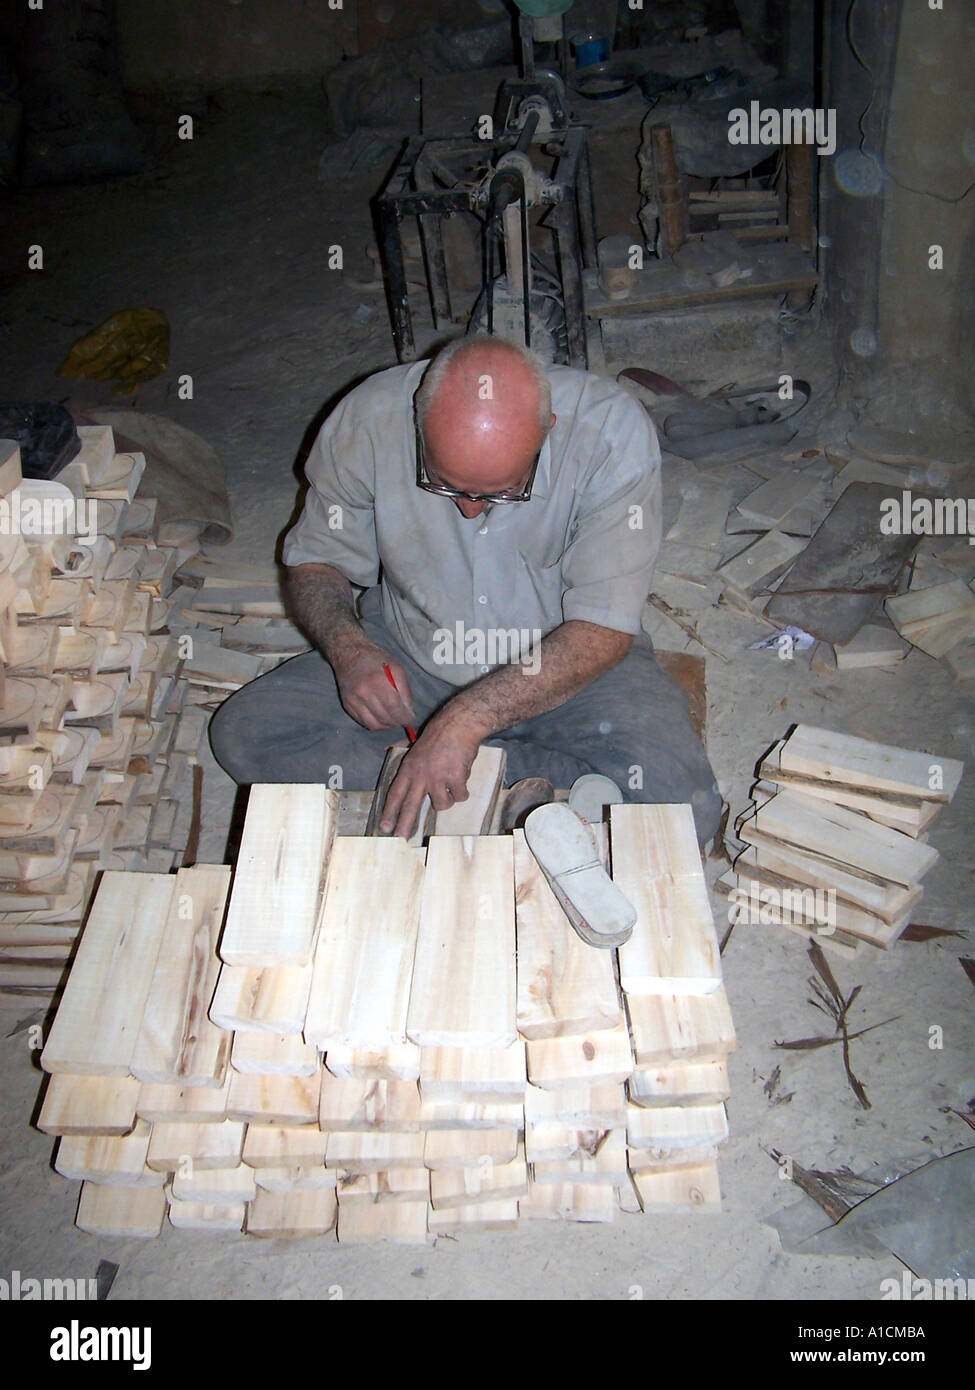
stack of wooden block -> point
(389, 1042)
(838, 829)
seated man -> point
(504, 518)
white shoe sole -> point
(568, 856)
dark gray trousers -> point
(630, 724)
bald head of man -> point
(483, 410)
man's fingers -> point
(409, 812)
(394, 800)
(403, 687)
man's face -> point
(483, 456)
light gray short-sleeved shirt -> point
(463, 596)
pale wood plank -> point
(675, 1127)
(607, 1164)
(473, 1074)
(680, 1083)
(89, 1105)
(587, 1059)
(295, 1179)
(402, 1223)
(463, 991)
(161, 1104)
(388, 1185)
(475, 815)
(274, 1100)
(312, 1212)
(681, 1189)
(138, 1212)
(357, 1104)
(398, 1063)
(464, 1148)
(363, 966)
(577, 1107)
(829, 756)
(274, 1054)
(115, 1162)
(680, 1026)
(564, 986)
(485, 1182)
(889, 901)
(481, 1216)
(674, 948)
(97, 1024)
(217, 1188)
(272, 1000)
(556, 1143)
(570, 1202)
(173, 1147)
(177, 1043)
(200, 1216)
(372, 1151)
(454, 1114)
(273, 914)
(284, 1147)
(839, 834)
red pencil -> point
(410, 733)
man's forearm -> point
(321, 598)
(572, 656)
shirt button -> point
(482, 598)
(484, 670)
(482, 531)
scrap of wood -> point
(121, 1212)
(277, 1214)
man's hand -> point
(365, 691)
(438, 765)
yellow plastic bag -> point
(132, 346)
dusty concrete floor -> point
(227, 235)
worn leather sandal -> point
(568, 856)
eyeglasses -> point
(445, 490)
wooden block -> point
(876, 804)
(261, 601)
(683, 1189)
(388, 1185)
(564, 986)
(465, 1148)
(680, 1083)
(372, 1151)
(761, 561)
(274, 1054)
(475, 816)
(399, 1063)
(934, 619)
(796, 904)
(350, 1104)
(570, 1202)
(273, 914)
(451, 1188)
(292, 1214)
(675, 1127)
(113, 1161)
(97, 455)
(367, 939)
(588, 1059)
(556, 1143)
(200, 1216)
(463, 991)
(828, 756)
(211, 664)
(481, 1216)
(272, 1000)
(674, 948)
(453, 1114)
(282, 1147)
(837, 833)
(889, 901)
(577, 1107)
(771, 503)
(402, 1223)
(162, 1104)
(10, 466)
(97, 1024)
(121, 1211)
(296, 1179)
(604, 1163)
(23, 705)
(274, 1100)
(177, 1043)
(470, 1073)
(872, 646)
(680, 1026)
(215, 1188)
(670, 1158)
(172, 1146)
(89, 1105)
